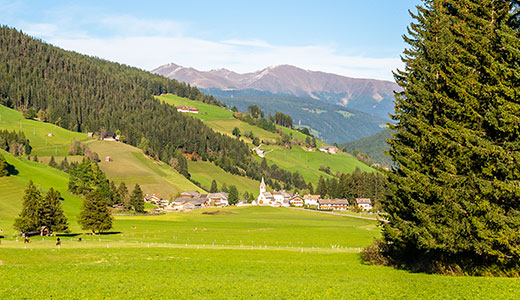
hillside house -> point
(275, 199)
(296, 200)
(110, 136)
(190, 194)
(364, 203)
(90, 134)
(217, 199)
(108, 159)
(187, 109)
(259, 151)
(153, 198)
(311, 200)
(333, 204)
(329, 149)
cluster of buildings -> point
(282, 198)
(187, 109)
(329, 149)
(189, 200)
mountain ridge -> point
(371, 96)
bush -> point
(375, 253)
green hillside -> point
(45, 177)
(373, 146)
(295, 159)
(37, 132)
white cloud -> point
(148, 44)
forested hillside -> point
(83, 93)
(373, 146)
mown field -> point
(238, 253)
(58, 144)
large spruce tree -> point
(454, 204)
(29, 219)
(51, 213)
(94, 214)
(137, 199)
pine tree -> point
(3, 166)
(64, 165)
(233, 195)
(28, 220)
(95, 215)
(454, 199)
(52, 162)
(137, 199)
(123, 196)
(321, 189)
(214, 187)
(51, 214)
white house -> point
(311, 200)
(329, 149)
(217, 199)
(364, 203)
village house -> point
(329, 149)
(190, 194)
(217, 199)
(333, 204)
(311, 200)
(90, 134)
(275, 199)
(296, 200)
(364, 203)
(187, 109)
(153, 198)
(110, 136)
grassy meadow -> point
(234, 253)
(37, 132)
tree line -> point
(83, 93)
(14, 142)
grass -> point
(244, 253)
(36, 131)
(296, 159)
(205, 172)
(131, 166)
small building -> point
(217, 199)
(90, 134)
(364, 203)
(311, 200)
(108, 159)
(333, 204)
(110, 136)
(296, 200)
(187, 109)
(329, 149)
(50, 134)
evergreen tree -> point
(35, 158)
(3, 166)
(214, 187)
(52, 163)
(321, 189)
(137, 199)
(28, 220)
(64, 165)
(233, 195)
(310, 188)
(124, 198)
(95, 215)
(51, 214)
(224, 188)
(454, 199)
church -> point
(275, 199)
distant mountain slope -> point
(368, 95)
(328, 122)
(374, 146)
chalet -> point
(217, 199)
(187, 109)
(108, 159)
(296, 200)
(259, 152)
(153, 198)
(190, 194)
(281, 198)
(110, 136)
(364, 203)
(329, 149)
(333, 204)
(311, 200)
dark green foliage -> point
(64, 165)
(14, 142)
(255, 112)
(137, 199)
(454, 201)
(321, 189)
(35, 158)
(373, 147)
(282, 120)
(214, 187)
(123, 196)
(3, 166)
(28, 220)
(30, 113)
(233, 195)
(95, 215)
(86, 177)
(52, 163)
(51, 214)
(236, 132)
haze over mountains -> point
(367, 95)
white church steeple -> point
(262, 186)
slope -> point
(373, 146)
(296, 159)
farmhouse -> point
(311, 200)
(110, 136)
(296, 200)
(187, 109)
(153, 198)
(333, 204)
(217, 199)
(329, 149)
(364, 203)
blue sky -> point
(352, 38)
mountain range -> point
(371, 96)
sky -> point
(354, 38)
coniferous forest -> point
(83, 93)
(454, 201)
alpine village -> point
(275, 164)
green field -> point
(130, 165)
(204, 172)
(58, 144)
(296, 159)
(243, 253)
